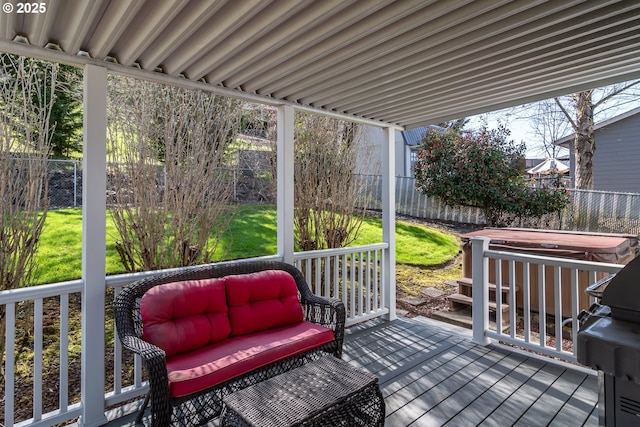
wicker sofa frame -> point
(200, 408)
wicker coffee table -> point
(326, 392)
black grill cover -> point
(622, 293)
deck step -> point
(467, 282)
(460, 301)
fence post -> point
(480, 289)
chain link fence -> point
(65, 184)
(592, 211)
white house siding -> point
(370, 158)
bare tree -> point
(549, 124)
(26, 94)
(328, 189)
(580, 109)
(171, 188)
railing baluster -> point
(383, 284)
(117, 355)
(498, 284)
(361, 284)
(376, 293)
(592, 279)
(512, 299)
(307, 272)
(526, 294)
(336, 277)
(558, 306)
(542, 305)
(137, 371)
(64, 353)
(38, 309)
(9, 364)
(317, 275)
(352, 286)
(344, 282)
(368, 280)
(575, 300)
(327, 276)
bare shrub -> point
(26, 97)
(328, 191)
(167, 148)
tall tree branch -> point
(566, 113)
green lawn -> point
(252, 232)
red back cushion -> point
(261, 301)
(182, 316)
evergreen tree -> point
(66, 113)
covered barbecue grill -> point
(609, 341)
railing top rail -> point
(55, 289)
(127, 278)
(40, 291)
(554, 261)
(339, 251)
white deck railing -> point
(353, 275)
(29, 303)
(545, 296)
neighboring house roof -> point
(413, 137)
(564, 141)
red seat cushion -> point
(217, 363)
(183, 316)
(261, 301)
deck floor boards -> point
(432, 374)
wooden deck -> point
(431, 374)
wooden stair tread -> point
(467, 300)
(467, 281)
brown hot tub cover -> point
(600, 247)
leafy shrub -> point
(483, 169)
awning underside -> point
(400, 62)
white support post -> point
(389, 221)
(94, 204)
(480, 289)
(285, 202)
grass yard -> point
(252, 232)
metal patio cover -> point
(400, 62)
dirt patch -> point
(415, 283)
(422, 291)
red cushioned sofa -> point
(203, 333)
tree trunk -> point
(584, 145)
